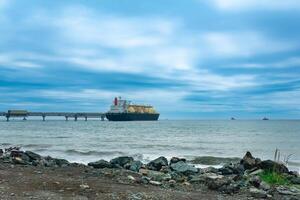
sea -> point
(87, 141)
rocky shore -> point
(27, 175)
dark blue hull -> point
(132, 116)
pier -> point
(68, 115)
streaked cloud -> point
(237, 5)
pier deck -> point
(24, 114)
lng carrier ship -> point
(123, 110)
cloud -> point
(285, 63)
(239, 5)
(243, 43)
(11, 61)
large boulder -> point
(121, 161)
(100, 164)
(158, 163)
(176, 159)
(184, 168)
(270, 165)
(249, 161)
(33, 156)
(135, 166)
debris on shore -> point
(159, 179)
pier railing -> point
(25, 114)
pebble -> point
(131, 178)
(84, 186)
(156, 183)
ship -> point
(123, 110)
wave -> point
(211, 160)
(91, 153)
(35, 145)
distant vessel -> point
(123, 110)
(265, 118)
(232, 118)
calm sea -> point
(93, 140)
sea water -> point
(84, 142)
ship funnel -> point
(116, 101)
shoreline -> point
(27, 175)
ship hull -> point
(132, 116)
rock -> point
(255, 181)
(229, 189)
(264, 186)
(295, 180)
(184, 168)
(210, 170)
(186, 183)
(248, 161)
(217, 183)
(158, 163)
(18, 161)
(121, 161)
(131, 178)
(156, 183)
(256, 172)
(256, 193)
(158, 176)
(135, 166)
(100, 164)
(33, 156)
(197, 179)
(226, 170)
(144, 171)
(288, 190)
(270, 165)
(84, 186)
(178, 177)
(61, 162)
(175, 160)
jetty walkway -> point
(25, 114)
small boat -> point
(265, 118)
(232, 118)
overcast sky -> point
(188, 58)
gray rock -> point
(256, 193)
(295, 180)
(196, 179)
(286, 190)
(248, 161)
(184, 168)
(33, 156)
(178, 177)
(121, 161)
(217, 183)
(135, 166)
(156, 183)
(61, 162)
(210, 170)
(158, 163)
(229, 189)
(226, 170)
(175, 160)
(100, 164)
(255, 181)
(270, 165)
(264, 186)
(158, 176)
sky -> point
(191, 59)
